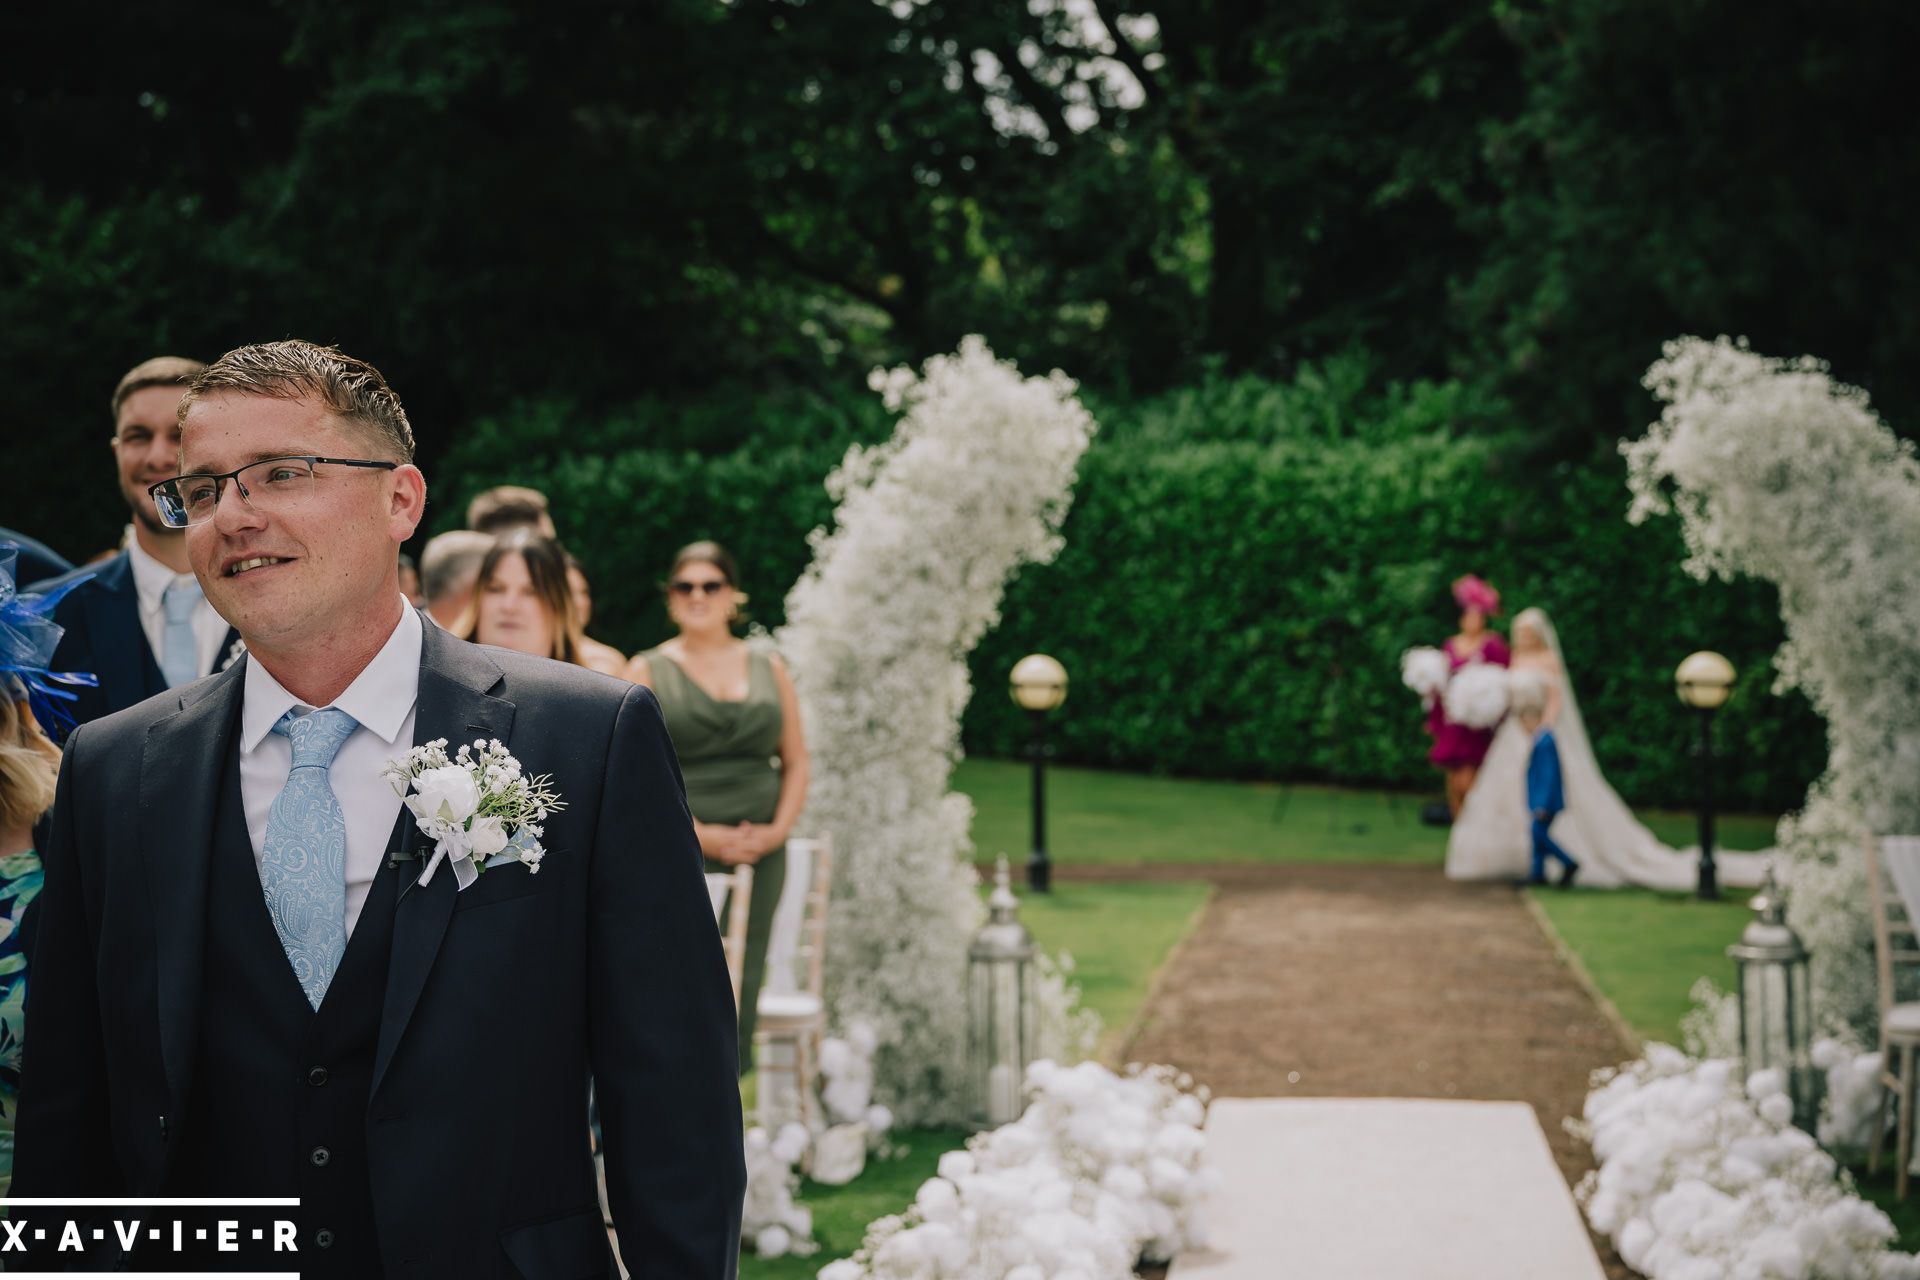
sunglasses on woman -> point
(685, 588)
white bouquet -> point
(1477, 696)
(1424, 670)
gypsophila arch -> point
(929, 527)
(1779, 472)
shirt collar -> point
(380, 698)
(150, 578)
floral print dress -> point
(20, 879)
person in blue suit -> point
(141, 622)
(1546, 796)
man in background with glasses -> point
(142, 623)
(248, 980)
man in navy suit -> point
(142, 623)
(253, 977)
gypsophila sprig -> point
(478, 806)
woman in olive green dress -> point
(735, 724)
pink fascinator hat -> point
(1472, 592)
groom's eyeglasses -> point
(271, 484)
(685, 588)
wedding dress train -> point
(1492, 837)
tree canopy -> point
(600, 201)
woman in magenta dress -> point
(1458, 749)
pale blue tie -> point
(179, 651)
(303, 860)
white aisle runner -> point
(1386, 1189)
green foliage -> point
(1245, 563)
(581, 202)
(1238, 607)
(629, 489)
(1659, 178)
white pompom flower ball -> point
(1424, 670)
(836, 1056)
(792, 1143)
(1477, 696)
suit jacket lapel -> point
(455, 703)
(179, 790)
(126, 666)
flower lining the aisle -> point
(772, 1220)
(1702, 1176)
(1099, 1172)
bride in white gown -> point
(1493, 837)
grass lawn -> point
(1645, 950)
(1119, 936)
(1097, 816)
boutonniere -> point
(478, 806)
(235, 652)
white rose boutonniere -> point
(478, 806)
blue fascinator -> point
(28, 637)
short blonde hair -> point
(288, 370)
(450, 562)
(507, 507)
(29, 767)
(161, 371)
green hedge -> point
(1245, 562)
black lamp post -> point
(1704, 682)
(1038, 685)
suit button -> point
(317, 1077)
(320, 1156)
(323, 1239)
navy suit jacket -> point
(104, 638)
(1544, 792)
(501, 1000)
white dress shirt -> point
(381, 698)
(150, 582)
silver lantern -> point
(1000, 1007)
(1776, 1015)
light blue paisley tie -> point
(303, 860)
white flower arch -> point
(929, 527)
(1780, 472)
